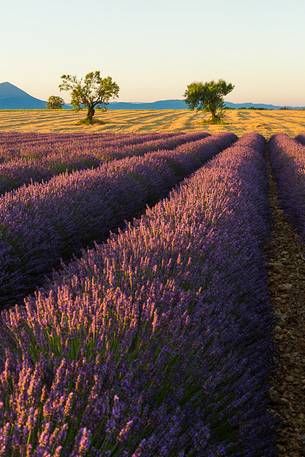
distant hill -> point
(161, 104)
(11, 97)
(180, 104)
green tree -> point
(55, 102)
(208, 96)
(91, 91)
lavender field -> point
(142, 307)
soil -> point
(287, 291)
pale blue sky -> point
(153, 49)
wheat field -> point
(236, 121)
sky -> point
(154, 48)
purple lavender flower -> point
(43, 223)
(157, 342)
(288, 164)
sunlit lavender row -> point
(12, 144)
(30, 149)
(23, 137)
(79, 156)
(42, 223)
(288, 163)
(19, 138)
(156, 343)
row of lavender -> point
(42, 223)
(80, 156)
(156, 343)
(12, 147)
(288, 164)
(14, 142)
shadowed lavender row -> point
(43, 222)
(31, 150)
(300, 139)
(288, 164)
(156, 343)
(18, 172)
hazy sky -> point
(154, 48)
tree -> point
(208, 96)
(55, 102)
(90, 91)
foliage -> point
(208, 96)
(91, 91)
(288, 163)
(55, 102)
(158, 342)
(75, 209)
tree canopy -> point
(208, 96)
(91, 91)
(55, 102)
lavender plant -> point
(42, 223)
(301, 139)
(46, 161)
(288, 164)
(35, 146)
(156, 343)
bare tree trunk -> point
(215, 117)
(90, 114)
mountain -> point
(180, 104)
(161, 104)
(260, 106)
(11, 97)
(253, 106)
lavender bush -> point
(42, 223)
(288, 164)
(300, 139)
(15, 145)
(37, 146)
(156, 343)
(12, 143)
(86, 144)
(43, 166)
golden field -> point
(237, 121)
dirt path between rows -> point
(287, 290)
